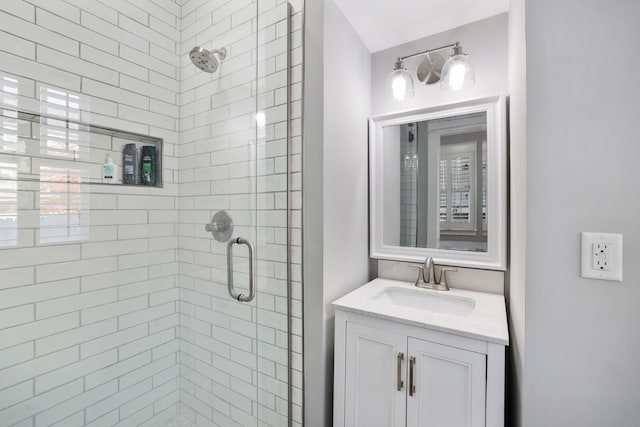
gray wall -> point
(337, 104)
(582, 340)
(346, 110)
(315, 387)
(486, 43)
(515, 283)
(391, 185)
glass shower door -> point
(234, 358)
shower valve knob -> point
(221, 226)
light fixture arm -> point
(457, 48)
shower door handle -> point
(252, 270)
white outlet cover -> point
(614, 258)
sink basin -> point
(425, 300)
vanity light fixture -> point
(457, 73)
(399, 84)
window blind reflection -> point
(64, 205)
(8, 204)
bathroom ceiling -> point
(385, 23)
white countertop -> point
(487, 320)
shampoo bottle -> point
(148, 165)
(129, 163)
(109, 171)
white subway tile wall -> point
(113, 303)
(408, 186)
(88, 273)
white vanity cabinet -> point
(448, 386)
(393, 373)
(374, 368)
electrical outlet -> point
(602, 256)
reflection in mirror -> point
(435, 175)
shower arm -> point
(222, 52)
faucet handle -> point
(443, 276)
(420, 278)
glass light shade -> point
(399, 85)
(457, 73)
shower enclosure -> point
(115, 301)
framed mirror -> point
(438, 184)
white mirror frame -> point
(496, 256)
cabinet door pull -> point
(400, 382)
(412, 387)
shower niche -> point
(59, 150)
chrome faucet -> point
(427, 276)
(429, 271)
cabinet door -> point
(372, 398)
(450, 386)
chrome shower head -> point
(205, 60)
